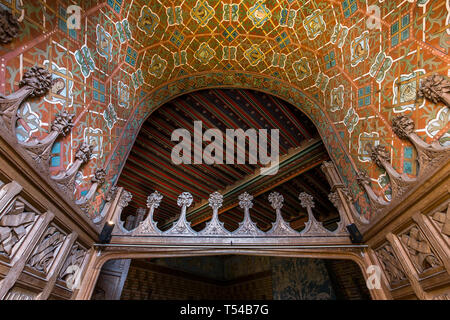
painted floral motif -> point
(157, 66)
(380, 67)
(314, 24)
(301, 68)
(110, 116)
(104, 43)
(405, 90)
(337, 98)
(360, 48)
(339, 35)
(254, 55)
(84, 60)
(147, 21)
(351, 120)
(259, 14)
(204, 53)
(202, 12)
(123, 29)
(322, 81)
(440, 123)
(28, 123)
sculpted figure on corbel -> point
(14, 225)
(435, 88)
(97, 180)
(40, 150)
(312, 227)
(429, 156)
(279, 227)
(377, 203)
(400, 183)
(36, 82)
(420, 251)
(148, 226)
(45, 251)
(66, 179)
(9, 26)
(390, 264)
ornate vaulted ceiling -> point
(349, 65)
(149, 166)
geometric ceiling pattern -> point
(349, 65)
(149, 166)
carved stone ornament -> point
(182, 226)
(379, 155)
(154, 200)
(429, 156)
(215, 226)
(247, 227)
(279, 227)
(36, 82)
(148, 226)
(9, 26)
(125, 198)
(306, 200)
(390, 264)
(14, 225)
(66, 179)
(40, 150)
(335, 199)
(435, 88)
(419, 250)
(44, 253)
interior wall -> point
(231, 277)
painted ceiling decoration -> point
(351, 66)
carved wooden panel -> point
(46, 250)
(17, 293)
(422, 255)
(15, 223)
(441, 219)
(391, 266)
(72, 266)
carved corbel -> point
(400, 183)
(429, 155)
(312, 227)
(109, 198)
(97, 180)
(182, 226)
(435, 88)
(9, 26)
(40, 150)
(377, 203)
(215, 226)
(66, 179)
(148, 226)
(36, 82)
(247, 227)
(279, 227)
(124, 200)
